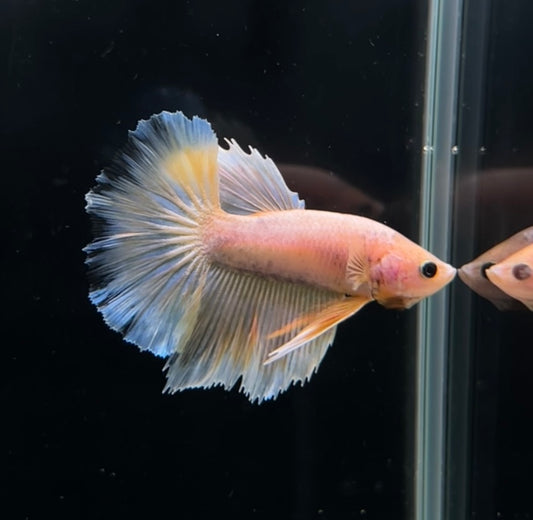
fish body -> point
(205, 257)
(514, 275)
(344, 253)
(474, 274)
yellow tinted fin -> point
(233, 335)
(318, 323)
(146, 269)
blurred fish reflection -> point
(324, 190)
(501, 199)
(515, 275)
(474, 274)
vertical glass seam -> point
(442, 68)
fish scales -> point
(306, 246)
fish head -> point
(407, 273)
(514, 275)
(474, 275)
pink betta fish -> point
(514, 275)
(205, 257)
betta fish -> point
(202, 255)
(474, 274)
(514, 275)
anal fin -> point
(231, 334)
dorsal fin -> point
(250, 183)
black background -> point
(87, 432)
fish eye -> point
(484, 268)
(428, 269)
(521, 271)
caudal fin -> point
(146, 208)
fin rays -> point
(150, 202)
(223, 349)
(250, 183)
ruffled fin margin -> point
(234, 334)
(250, 183)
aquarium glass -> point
(489, 428)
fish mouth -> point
(496, 275)
(465, 273)
(470, 272)
(452, 271)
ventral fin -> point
(250, 183)
(317, 324)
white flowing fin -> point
(236, 329)
(147, 207)
(250, 183)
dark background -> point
(86, 431)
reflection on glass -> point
(475, 273)
(489, 430)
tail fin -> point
(146, 209)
